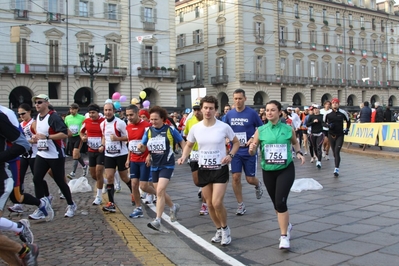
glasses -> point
(39, 102)
(21, 114)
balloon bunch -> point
(143, 95)
(117, 99)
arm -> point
(186, 152)
(254, 145)
(297, 148)
(19, 143)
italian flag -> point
(388, 83)
(342, 81)
(22, 68)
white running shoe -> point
(284, 242)
(97, 201)
(289, 229)
(173, 212)
(26, 234)
(85, 170)
(327, 157)
(37, 215)
(204, 209)
(241, 209)
(318, 164)
(70, 210)
(148, 198)
(218, 236)
(46, 209)
(226, 238)
(18, 208)
(71, 175)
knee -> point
(237, 179)
(281, 206)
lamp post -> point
(88, 66)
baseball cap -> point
(335, 100)
(196, 104)
(316, 106)
(40, 96)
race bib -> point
(242, 138)
(194, 156)
(94, 142)
(275, 153)
(210, 160)
(74, 129)
(113, 147)
(133, 146)
(42, 145)
(157, 144)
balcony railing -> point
(189, 84)
(259, 40)
(150, 26)
(106, 71)
(21, 14)
(156, 73)
(221, 79)
(220, 41)
(34, 69)
(298, 44)
(283, 42)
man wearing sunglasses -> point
(50, 131)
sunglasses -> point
(21, 114)
(39, 102)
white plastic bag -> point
(79, 185)
(305, 184)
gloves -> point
(331, 125)
(346, 131)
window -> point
(220, 67)
(313, 36)
(361, 21)
(182, 73)
(280, 7)
(373, 26)
(198, 72)
(296, 10)
(312, 69)
(181, 40)
(283, 35)
(375, 73)
(221, 30)
(337, 18)
(53, 6)
(20, 4)
(372, 4)
(350, 42)
(363, 44)
(260, 64)
(325, 38)
(311, 12)
(326, 69)
(113, 61)
(282, 63)
(360, 2)
(21, 51)
(338, 40)
(221, 5)
(257, 4)
(352, 72)
(382, 26)
(197, 12)
(112, 13)
(197, 36)
(363, 72)
(324, 15)
(83, 9)
(297, 35)
(298, 68)
(181, 16)
(374, 45)
(350, 20)
(148, 14)
(339, 70)
(258, 29)
(148, 56)
(53, 55)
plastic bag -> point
(305, 184)
(79, 185)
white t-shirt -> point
(211, 141)
(324, 112)
(118, 128)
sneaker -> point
(259, 190)
(70, 210)
(137, 213)
(37, 215)
(62, 196)
(104, 191)
(155, 225)
(305, 153)
(327, 157)
(289, 229)
(148, 198)
(46, 209)
(155, 199)
(226, 238)
(318, 164)
(50, 198)
(110, 207)
(18, 208)
(336, 172)
(97, 201)
(323, 154)
(218, 236)
(117, 183)
(204, 209)
(173, 212)
(71, 175)
(312, 160)
(30, 258)
(85, 170)
(133, 202)
(284, 242)
(26, 234)
(241, 209)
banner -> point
(363, 133)
(21, 68)
(389, 135)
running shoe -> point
(173, 212)
(312, 160)
(289, 229)
(30, 257)
(104, 189)
(97, 201)
(204, 209)
(18, 208)
(323, 154)
(37, 215)
(318, 164)
(155, 225)
(50, 198)
(241, 209)
(284, 242)
(218, 236)
(70, 210)
(137, 213)
(110, 207)
(226, 238)
(85, 170)
(259, 190)
(327, 157)
(46, 209)
(336, 172)
(26, 234)
(71, 175)
(148, 198)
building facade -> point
(42, 52)
(297, 52)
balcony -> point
(220, 41)
(105, 72)
(283, 42)
(375, 54)
(54, 17)
(189, 84)
(340, 49)
(149, 26)
(298, 44)
(157, 73)
(33, 70)
(220, 80)
(21, 14)
(326, 48)
(312, 46)
(259, 40)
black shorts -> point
(113, 162)
(206, 177)
(96, 158)
(325, 132)
(194, 166)
(74, 142)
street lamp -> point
(88, 66)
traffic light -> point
(107, 53)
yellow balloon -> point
(135, 101)
(143, 95)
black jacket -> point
(379, 116)
(388, 115)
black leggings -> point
(336, 145)
(278, 184)
(317, 143)
(57, 166)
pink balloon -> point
(122, 99)
(146, 104)
(116, 96)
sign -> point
(141, 38)
(389, 135)
(363, 133)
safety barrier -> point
(385, 134)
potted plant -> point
(163, 69)
(339, 24)
(6, 69)
(152, 68)
(362, 28)
(311, 19)
(325, 22)
(170, 69)
(138, 68)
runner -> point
(91, 134)
(159, 139)
(244, 121)
(335, 121)
(315, 121)
(213, 173)
(326, 143)
(275, 140)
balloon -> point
(122, 99)
(143, 95)
(146, 104)
(108, 101)
(116, 96)
(117, 105)
(134, 101)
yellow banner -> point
(389, 135)
(363, 133)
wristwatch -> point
(231, 155)
(47, 136)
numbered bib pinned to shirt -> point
(133, 146)
(113, 147)
(157, 144)
(275, 153)
(94, 142)
(42, 145)
(210, 160)
(242, 138)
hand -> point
(112, 137)
(127, 164)
(346, 131)
(101, 149)
(316, 121)
(40, 136)
(181, 160)
(252, 147)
